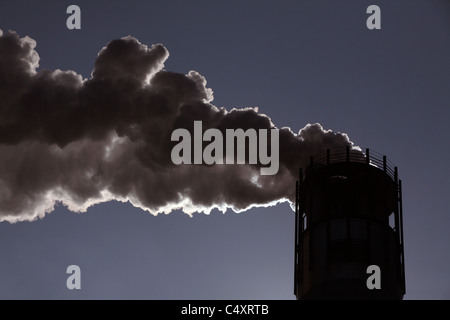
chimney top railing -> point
(349, 154)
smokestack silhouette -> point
(348, 223)
(75, 141)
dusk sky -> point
(299, 62)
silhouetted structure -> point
(348, 217)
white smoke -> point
(81, 142)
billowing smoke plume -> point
(75, 141)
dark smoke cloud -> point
(80, 142)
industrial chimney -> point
(348, 216)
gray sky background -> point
(300, 62)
